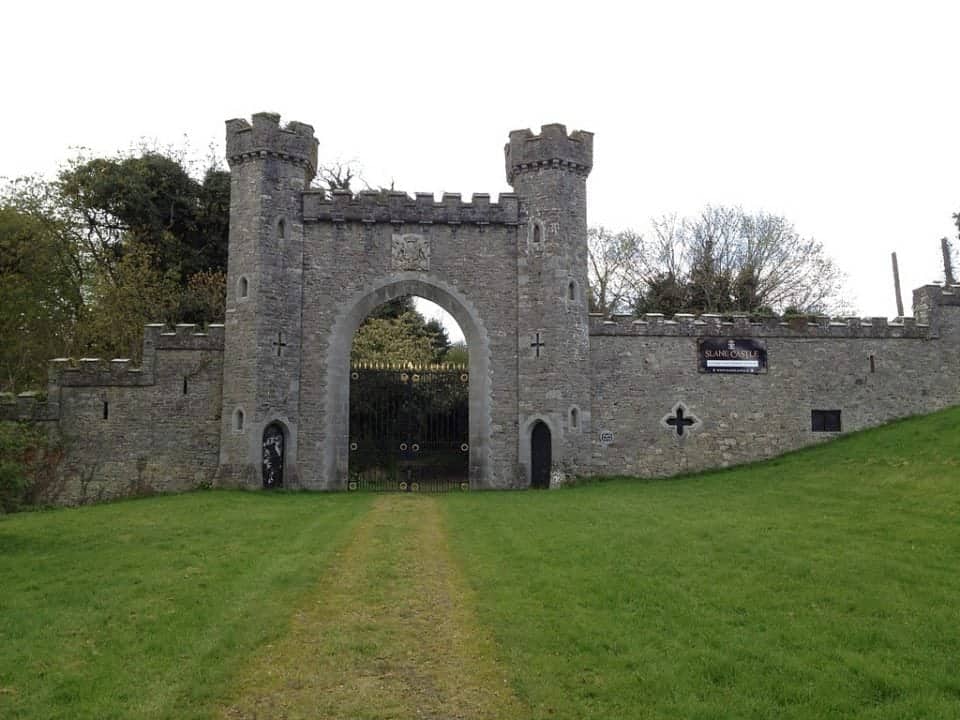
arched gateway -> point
(338, 367)
(264, 400)
(306, 268)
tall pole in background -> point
(896, 284)
(947, 263)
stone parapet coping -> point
(27, 406)
(67, 372)
(681, 325)
(400, 208)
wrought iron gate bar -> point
(409, 428)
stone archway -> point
(337, 402)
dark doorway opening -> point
(273, 456)
(540, 453)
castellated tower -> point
(270, 167)
(549, 174)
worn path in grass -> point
(389, 633)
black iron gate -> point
(408, 429)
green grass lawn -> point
(825, 584)
(148, 608)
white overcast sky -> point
(842, 116)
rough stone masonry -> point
(616, 395)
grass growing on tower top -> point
(823, 584)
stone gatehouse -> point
(649, 397)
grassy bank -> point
(820, 585)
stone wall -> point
(134, 431)
(871, 370)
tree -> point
(337, 175)
(152, 200)
(392, 341)
(614, 264)
(458, 354)
(439, 339)
(394, 308)
(40, 296)
(395, 333)
(663, 292)
(117, 242)
(725, 260)
(112, 244)
(120, 304)
(204, 299)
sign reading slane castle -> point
(732, 355)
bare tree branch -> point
(721, 260)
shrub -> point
(23, 456)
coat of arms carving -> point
(410, 251)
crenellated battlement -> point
(184, 336)
(684, 325)
(264, 137)
(398, 207)
(26, 407)
(551, 148)
(85, 372)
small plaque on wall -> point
(732, 355)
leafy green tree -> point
(439, 340)
(663, 292)
(112, 244)
(392, 341)
(121, 303)
(213, 220)
(396, 333)
(152, 200)
(41, 298)
(458, 354)
(204, 299)
(394, 308)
